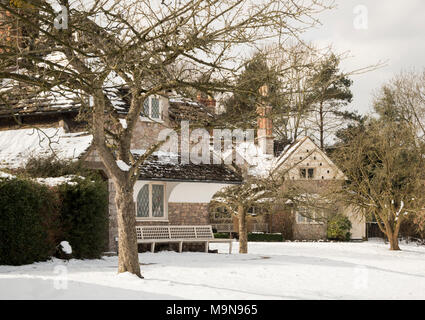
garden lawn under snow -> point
(289, 270)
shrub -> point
(49, 167)
(221, 235)
(84, 217)
(265, 237)
(339, 228)
(28, 222)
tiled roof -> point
(160, 170)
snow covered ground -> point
(296, 270)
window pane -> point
(157, 200)
(300, 218)
(146, 108)
(311, 173)
(155, 108)
(302, 173)
(143, 202)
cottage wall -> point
(147, 130)
(327, 178)
(178, 214)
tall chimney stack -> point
(207, 101)
(265, 125)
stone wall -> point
(284, 221)
(309, 231)
(146, 134)
(178, 214)
(188, 213)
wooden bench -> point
(178, 234)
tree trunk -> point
(394, 242)
(392, 235)
(243, 233)
(321, 127)
(128, 258)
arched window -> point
(151, 201)
(143, 202)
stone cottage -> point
(304, 166)
(167, 192)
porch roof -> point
(159, 170)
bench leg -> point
(230, 247)
(153, 247)
(206, 246)
(180, 247)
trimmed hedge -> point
(254, 237)
(84, 217)
(339, 228)
(29, 222)
(265, 237)
(221, 235)
(34, 219)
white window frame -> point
(149, 117)
(151, 217)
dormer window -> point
(151, 108)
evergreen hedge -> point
(29, 222)
(339, 228)
(84, 217)
(34, 219)
(265, 237)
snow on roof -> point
(289, 149)
(260, 164)
(17, 146)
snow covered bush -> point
(47, 167)
(339, 228)
(84, 217)
(29, 222)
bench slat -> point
(180, 234)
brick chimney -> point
(265, 125)
(207, 101)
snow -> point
(162, 156)
(288, 151)
(4, 175)
(66, 247)
(288, 270)
(52, 182)
(123, 123)
(17, 146)
(123, 166)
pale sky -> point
(395, 34)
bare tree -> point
(238, 199)
(403, 99)
(384, 165)
(146, 47)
